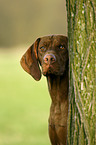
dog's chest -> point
(59, 96)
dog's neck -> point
(58, 87)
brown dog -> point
(51, 52)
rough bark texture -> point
(82, 91)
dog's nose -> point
(49, 58)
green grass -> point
(24, 104)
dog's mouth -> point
(51, 69)
(48, 69)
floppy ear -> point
(29, 61)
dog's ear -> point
(29, 61)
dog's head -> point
(51, 52)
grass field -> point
(24, 103)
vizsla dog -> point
(51, 52)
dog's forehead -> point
(53, 39)
(46, 39)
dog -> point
(51, 53)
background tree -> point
(82, 96)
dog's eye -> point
(61, 47)
(42, 48)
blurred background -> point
(25, 103)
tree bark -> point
(82, 72)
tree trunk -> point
(82, 90)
